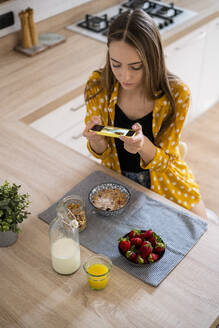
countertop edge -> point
(191, 25)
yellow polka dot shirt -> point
(170, 176)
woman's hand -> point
(136, 143)
(98, 143)
(139, 144)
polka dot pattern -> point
(170, 176)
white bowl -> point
(109, 186)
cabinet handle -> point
(74, 109)
(77, 136)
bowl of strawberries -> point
(141, 246)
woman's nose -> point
(126, 75)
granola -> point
(78, 211)
(109, 199)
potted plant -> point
(13, 211)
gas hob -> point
(166, 16)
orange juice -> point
(98, 276)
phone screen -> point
(112, 131)
(97, 127)
(130, 133)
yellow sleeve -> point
(167, 151)
(94, 108)
(91, 97)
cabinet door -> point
(66, 125)
(185, 59)
(62, 118)
(209, 88)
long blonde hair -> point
(140, 31)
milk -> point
(65, 254)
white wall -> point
(42, 10)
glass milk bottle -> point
(64, 244)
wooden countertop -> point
(32, 295)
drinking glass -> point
(98, 270)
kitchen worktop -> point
(32, 295)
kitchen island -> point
(32, 294)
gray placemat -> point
(179, 230)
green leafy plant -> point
(13, 207)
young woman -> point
(135, 90)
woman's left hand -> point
(136, 143)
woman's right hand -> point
(98, 143)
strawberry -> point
(140, 260)
(146, 249)
(134, 233)
(144, 242)
(131, 256)
(132, 248)
(159, 247)
(153, 239)
(153, 257)
(124, 244)
(147, 234)
(136, 241)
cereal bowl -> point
(109, 198)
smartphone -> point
(112, 131)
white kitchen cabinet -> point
(66, 125)
(185, 59)
(62, 118)
(194, 58)
(209, 85)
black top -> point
(131, 162)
